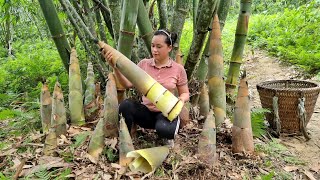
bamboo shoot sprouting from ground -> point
(217, 92)
(56, 30)
(238, 47)
(125, 143)
(207, 140)
(91, 106)
(111, 108)
(242, 139)
(50, 144)
(45, 108)
(75, 91)
(97, 144)
(58, 116)
(204, 101)
(164, 100)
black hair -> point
(171, 37)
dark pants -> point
(135, 112)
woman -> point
(168, 73)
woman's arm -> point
(122, 79)
(183, 93)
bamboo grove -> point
(92, 21)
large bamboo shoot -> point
(125, 144)
(91, 106)
(50, 144)
(75, 91)
(58, 117)
(242, 139)
(45, 108)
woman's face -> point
(159, 49)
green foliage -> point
(112, 156)
(275, 6)
(7, 113)
(257, 121)
(291, 35)
(80, 139)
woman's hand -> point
(108, 56)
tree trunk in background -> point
(52, 19)
(102, 32)
(217, 89)
(115, 16)
(204, 17)
(242, 139)
(223, 11)
(177, 22)
(195, 4)
(162, 10)
(238, 47)
(7, 28)
(144, 25)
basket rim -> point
(262, 85)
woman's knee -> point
(165, 128)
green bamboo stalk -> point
(45, 108)
(238, 47)
(50, 144)
(111, 108)
(242, 138)
(102, 33)
(223, 11)
(125, 143)
(89, 18)
(56, 30)
(58, 116)
(91, 106)
(115, 16)
(127, 26)
(204, 17)
(207, 141)
(144, 25)
(75, 91)
(217, 92)
(195, 4)
(106, 14)
(162, 10)
(178, 19)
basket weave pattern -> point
(288, 92)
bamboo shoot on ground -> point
(217, 90)
(75, 91)
(91, 106)
(125, 143)
(50, 144)
(58, 116)
(242, 139)
(45, 108)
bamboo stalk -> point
(164, 100)
(58, 117)
(162, 10)
(115, 9)
(242, 138)
(207, 140)
(45, 108)
(144, 25)
(75, 91)
(217, 92)
(238, 47)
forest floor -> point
(286, 157)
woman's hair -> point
(171, 37)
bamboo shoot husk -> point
(242, 138)
(207, 140)
(217, 91)
(125, 144)
(58, 117)
(75, 91)
(111, 108)
(204, 101)
(97, 144)
(91, 107)
(45, 108)
(50, 144)
(164, 100)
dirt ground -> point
(262, 67)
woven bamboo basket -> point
(288, 93)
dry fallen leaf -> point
(309, 175)
(315, 168)
(290, 168)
